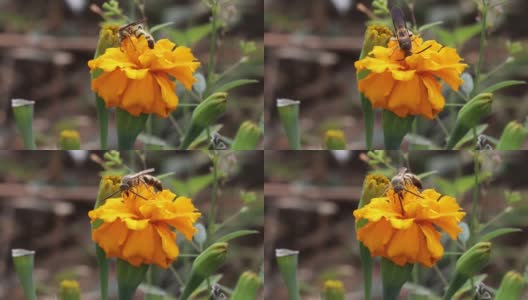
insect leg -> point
(423, 49)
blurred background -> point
(310, 197)
(45, 197)
(311, 47)
(45, 47)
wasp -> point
(403, 35)
(135, 29)
(128, 182)
(400, 182)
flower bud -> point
(512, 137)
(247, 137)
(247, 287)
(469, 116)
(335, 140)
(23, 112)
(511, 286)
(210, 260)
(108, 38)
(69, 140)
(376, 35)
(333, 290)
(287, 260)
(473, 111)
(69, 290)
(374, 185)
(474, 259)
(24, 261)
(471, 262)
(203, 116)
(289, 116)
(204, 266)
(210, 109)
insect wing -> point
(142, 172)
(398, 20)
(142, 21)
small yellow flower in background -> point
(139, 79)
(140, 229)
(409, 85)
(410, 236)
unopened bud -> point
(511, 286)
(335, 140)
(247, 287)
(474, 259)
(247, 137)
(333, 290)
(69, 140)
(210, 260)
(512, 137)
(69, 290)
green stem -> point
(474, 222)
(212, 50)
(482, 46)
(212, 210)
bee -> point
(135, 29)
(128, 182)
(403, 35)
(402, 179)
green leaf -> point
(497, 232)
(460, 185)
(233, 84)
(202, 138)
(191, 36)
(235, 234)
(192, 186)
(458, 37)
(429, 25)
(501, 85)
(160, 26)
(204, 286)
(469, 135)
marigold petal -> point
(141, 243)
(139, 96)
(168, 95)
(383, 83)
(113, 209)
(435, 101)
(406, 96)
(168, 243)
(110, 237)
(112, 59)
(434, 247)
(403, 245)
(135, 73)
(110, 86)
(375, 236)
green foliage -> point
(191, 36)
(193, 185)
(459, 36)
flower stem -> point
(212, 50)
(212, 210)
(482, 46)
(474, 205)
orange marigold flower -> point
(410, 236)
(141, 229)
(139, 79)
(409, 85)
